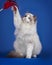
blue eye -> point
(25, 15)
(29, 18)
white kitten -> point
(27, 41)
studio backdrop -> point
(42, 9)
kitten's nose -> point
(27, 19)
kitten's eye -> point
(25, 15)
(29, 18)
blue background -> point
(43, 10)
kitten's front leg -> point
(16, 16)
(29, 50)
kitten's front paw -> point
(34, 56)
(29, 57)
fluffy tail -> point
(14, 54)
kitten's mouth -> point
(28, 22)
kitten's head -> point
(29, 18)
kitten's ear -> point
(35, 18)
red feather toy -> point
(8, 4)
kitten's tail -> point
(14, 54)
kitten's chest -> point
(27, 29)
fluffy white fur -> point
(27, 40)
